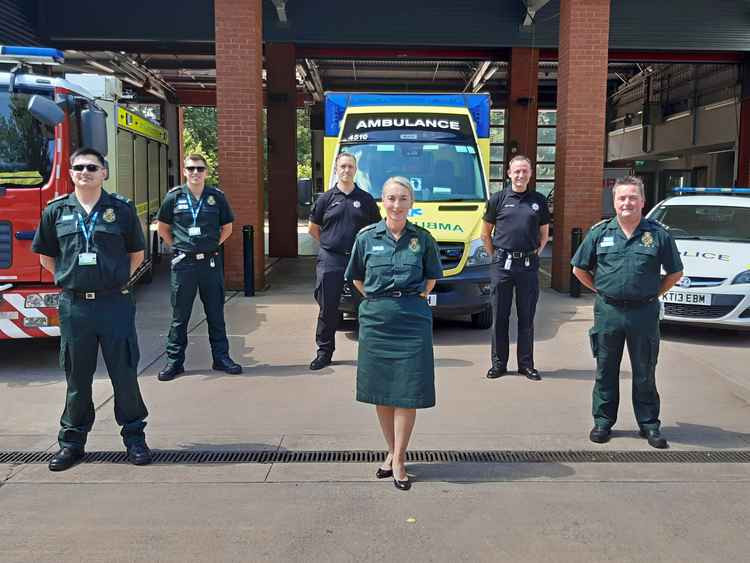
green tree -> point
(201, 136)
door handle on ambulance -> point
(25, 235)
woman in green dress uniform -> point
(395, 265)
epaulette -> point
(217, 189)
(595, 225)
(367, 228)
(659, 223)
(175, 188)
(58, 198)
(121, 198)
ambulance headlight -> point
(477, 254)
(33, 300)
(742, 277)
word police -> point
(386, 122)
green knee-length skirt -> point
(395, 363)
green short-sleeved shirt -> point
(387, 264)
(116, 233)
(628, 268)
(214, 212)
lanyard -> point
(88, 233)
(194, 211)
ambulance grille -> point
(450, 254)
(697, 311)
(5, 244)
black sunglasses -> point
(195, 168)
(86, 167)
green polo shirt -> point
(628, 269)
(213, 213)
(387, 264)
(116, 233)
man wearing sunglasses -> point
(92, 242)
(195, 220)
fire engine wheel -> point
(483, 319)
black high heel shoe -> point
(404, 485)
(382, 473)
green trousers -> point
(85, 325)
(205, 277)
(638, 326)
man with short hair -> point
(335, 220)
(621, 260)
(195, 220)
(92, 242)
(520, 220)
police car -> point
(711, 227)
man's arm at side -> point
(165, 232)
(226, 231)
(48, 263)
(314, 231)
(668, 281)
(487, 237)
(136, 259)
(585, 278)
(543, 238)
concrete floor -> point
(340, 512)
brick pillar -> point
(239, 105)
(521, 117)
(743, 135)
(581, 100)
(282, 149)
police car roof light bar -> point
(29, 55)
(722, 191)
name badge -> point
(377, 248)
(66, 218)
(194, 231)
(87, 259)
(607, 241)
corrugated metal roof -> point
(15, 25)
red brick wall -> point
(521, 121)
(282, 149)
(239, 104)
(581, 99)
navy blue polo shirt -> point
(517, 217)
(341, 216)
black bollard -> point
(576, 237)
(248, 259)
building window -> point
(497, 149)
(546, 138)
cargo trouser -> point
(188, 277)
(329, 283)
(86, 324)
(614, 325)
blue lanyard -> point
(88, 233)
(194, 211)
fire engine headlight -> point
(33, 300)
(477, 254)
(52, 300)
(742, 277)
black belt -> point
(96, 294)
(396, 293)
(517, 254)
(340, 253)
(197, 255)
(627, 302)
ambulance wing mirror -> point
(45, 110)
(94, 129)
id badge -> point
(87, 259)
(507, 262)
(194, 231)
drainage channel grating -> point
(424, 456)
